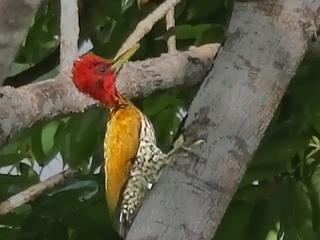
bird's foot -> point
(181, 146)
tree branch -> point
(170, 23)
(146, 25)
(15, 20)
(32, 192)
(19, 108)
(69, 26)
(231, 111)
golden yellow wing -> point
(120, 147)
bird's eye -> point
(102, 69)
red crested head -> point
(96, 76)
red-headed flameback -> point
(132, 159)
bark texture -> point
(21, 107)
(69, 35)
(15, 19)
(267, 40)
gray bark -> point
(69, 35)
(15, 19)
(21, 107)
(266, 42)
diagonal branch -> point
(170, 23)
(69, 27)
(146, 25)
(32, 192)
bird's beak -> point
(119, 61)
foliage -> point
(278, 198)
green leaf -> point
(36, 144)
(157, 103)
(10, 159)
(262, 172)
(27, 171)
(10, 148)
(44, 141)
(58, 230)
(52, 207)
(214, 34)
(254, 193)
(264, 221)
(295, 210)
(113, 9)
(82, 133)
(120, 31)
(39, 43)
(126, 4)
(316, 122)
(280, 149)
(9, 181)
(191, 31)
(97, 158)
(33, 226)
(9, 233)
(52, 23)
(231, 228)
(163, 131)
(88, 189)
(203, 8)
(315, 180)
(11, 220)
(91, 222)
(48, 139)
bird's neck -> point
(112, 98)
(116, 101)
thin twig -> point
(171, 42)
(32, 192)
(146, 25)
(69, 35)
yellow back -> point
(120, 146)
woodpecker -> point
(132, 159)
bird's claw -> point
(180, 144)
